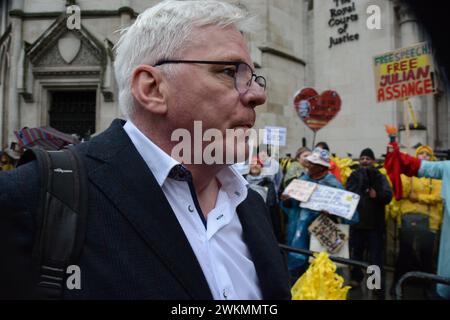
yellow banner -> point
(404, 73)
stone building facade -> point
(52, 75)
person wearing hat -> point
(422, 194)
(318, 163)
(368, 234)
(334, 169)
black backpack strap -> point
(61, 217)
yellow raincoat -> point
(428, 202)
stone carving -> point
(83, 57)
(69, 45)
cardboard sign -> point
(315, 110)
(339, 202)
(328, 233)
(404, 73)
(300, 190)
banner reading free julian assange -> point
(404, 73)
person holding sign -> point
(298, 235)
(368, 233)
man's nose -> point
(255, 96)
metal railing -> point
(350, 262)
(417, 275)
(398, 286)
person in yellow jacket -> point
(422, 195)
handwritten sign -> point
(328, 233)
(300, 190)
(404, 73)
(339, 202)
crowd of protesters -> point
(421, 203)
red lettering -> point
(389, 67)
(423, 72)
(380, 95)
(411, 89)
(389, 93)
(397, 93)
(404, 91)
(410, 76)
(419, 87)
(404, 65)
(428, 86)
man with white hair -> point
(163, 224)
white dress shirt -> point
(220, 249)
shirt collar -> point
(156, 159)
(160, 163)
(233, 183)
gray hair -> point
(163, 30)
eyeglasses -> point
(243, 74)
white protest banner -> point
(275, 136)
(300, 190)
(339, 202)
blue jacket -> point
(441, 170)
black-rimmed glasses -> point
(243, 73)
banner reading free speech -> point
(404, 73)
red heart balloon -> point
(317, 110)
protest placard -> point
(328, 233)
(300, 190)
(275, 136)
(339, 202)
(404, 73)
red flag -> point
(397, 163)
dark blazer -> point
(135, 247)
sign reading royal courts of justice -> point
(342, 15)
(404, 73)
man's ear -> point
(147, 88)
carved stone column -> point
(13, 106)
(410, 34)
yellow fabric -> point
(7, 167)
(424, 148)
(344, 165)
(429, 202)
(320, 281)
